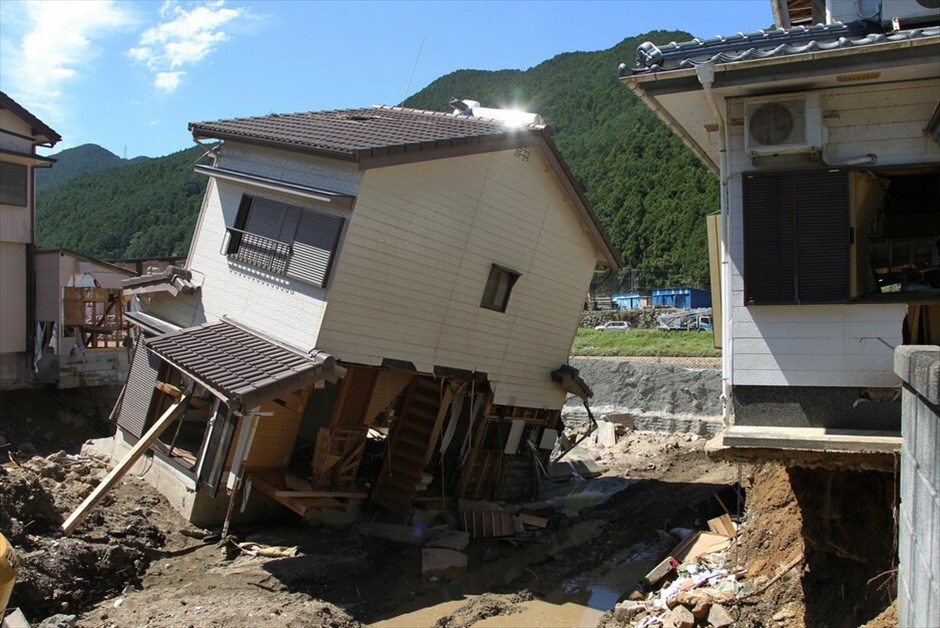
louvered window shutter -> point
(796, 238)
(314, 244)
(822, 233)
(139, 390)
(769, 240)
(266, 218)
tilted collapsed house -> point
(374, 299)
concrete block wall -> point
(94, 368)
(918, 367)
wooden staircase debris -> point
(336, 456)
(411, 445)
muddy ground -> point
(134, 562)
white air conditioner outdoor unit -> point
(783, 125)
(910, 13)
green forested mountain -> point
(649, 191)
(136, 210)
(73, 162)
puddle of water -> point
(580, 601)
(421, 618)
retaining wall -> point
(655, 396)
(919, 521)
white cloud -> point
(185, 39)
(167, 81)
(51, 44)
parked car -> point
(614, 326)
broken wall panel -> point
(275, 435)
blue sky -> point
(135, 73)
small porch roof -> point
(238, 365)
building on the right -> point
(825, 136)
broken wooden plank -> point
(169, 389)
(331, 494)
(533, 520)
(722, 525)
(125, 464)
(698, 544)
(488, 523)
(660, 571)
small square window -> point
(498, 287)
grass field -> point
(644, 342)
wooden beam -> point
(305, 494)
(125, 464)
(169, 389)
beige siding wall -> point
(15, 224)
(287, 309)
(830, 345)
(48, 290)
(9, 121)
(13, 299)
(418, 253)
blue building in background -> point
(631, 300)
(685, 298)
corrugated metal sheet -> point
(238, 364)
(138, 392)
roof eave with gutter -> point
(38, 127)
(810, 64)
(647, 86)
(200, 133)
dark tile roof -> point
(357, 133)
(39, 127)
(764, 44)
(238, 364)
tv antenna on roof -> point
(413, 68)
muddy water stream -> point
(577, 601)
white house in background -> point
(376, 302)
(825, 139)
(21, 133)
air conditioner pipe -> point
(866, 160)
(706, 76)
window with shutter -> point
(796, 238)
(285, 239)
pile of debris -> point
(700, 583)
(59, 574)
